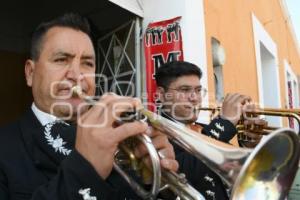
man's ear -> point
(29, 71)
(160, 91)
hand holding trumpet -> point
(98, 138)
(236, 108)
(233, 106)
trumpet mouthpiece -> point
(76, 91)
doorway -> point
(15, 32)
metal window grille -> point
(117, 55)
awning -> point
(134, 6)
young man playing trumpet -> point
(180, 95)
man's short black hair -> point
(68, 20)
(169, 72)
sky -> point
(294, 11)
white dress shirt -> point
(43, 117)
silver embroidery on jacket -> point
(209, 179)
(214, 133)
(85, 193)
(210, 193)
(220, 127)
(56, 143)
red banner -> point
(162, 44)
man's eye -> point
(198, 90)
(185, 89)
(90, 64)
(60, 60)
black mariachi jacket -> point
(219, 128)
(26, 172)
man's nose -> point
(73, 72)
(193, 96)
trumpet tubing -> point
(277, 112)
(274, 110)
(282, 110)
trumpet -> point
(262, 130)
(176, 183)
(266, 171)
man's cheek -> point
(180, 112)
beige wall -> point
(231, 23)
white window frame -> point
(261, 36)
